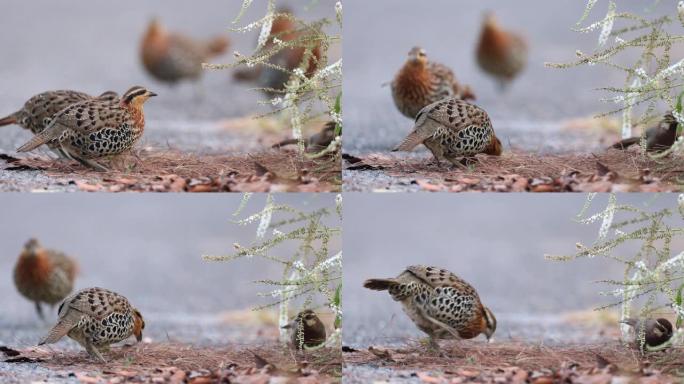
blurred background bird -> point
(658, 138)
(655, 331)
(172, 57)
(44, 275)
(307, 330)
(286, 30)
(501, 54)
(420, 82)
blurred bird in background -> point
(501, 54)
(172, 57)
(272, 79)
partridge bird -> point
(172, 57)
(317, 141)
(658, 138)
(452, 129)
(421, 82)
(96, 318)
(96, 128)
(44, 275)
(655, 331)
(37, 112)
(501, 54)
(307, 330)
(439, 303)
(271, 79)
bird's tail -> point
(11, 119)
(410, 142)
(622, 144)
(65, 324)
(51, 132)
(379, 284)
(247, 74)
(284, 143)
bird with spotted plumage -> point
(421, 82)
(44, 276)
(439, 303)
(36, 114)
(454, 130)
(96, 318)
(95, 128)
(172, 57)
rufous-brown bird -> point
(172, 57)
(307, 330)
(44, 276)
(273, 80)
(317, 142)
(421, 82)
(439, 303)
(501, 54)
(453, 130)
(96, 128)
(658, 138)
(655, 331)
(96, 318)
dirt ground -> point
(184, 363)
(512, 362)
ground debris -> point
(180, 363)
(610, 171)
(518, 363)
(151, 170)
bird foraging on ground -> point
(658, 139)
(286, 31)
(307, 330)
(317, 142)
(96, 128)
(501, 54)
(44, 276)
(655, 332)
(453, 129)
(439, 303)
(96, 318)
(37, 112)
(420, 82)
(172, 57)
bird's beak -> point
(151, 94)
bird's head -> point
(490, 321)
(669, 122)
(155, 28)
(136, 96)
(31, 245)
(494, 148)
(138, 324)
(417, 56)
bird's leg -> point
(93, 352)
(91, 164)
(104, 348)
(39, 309)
